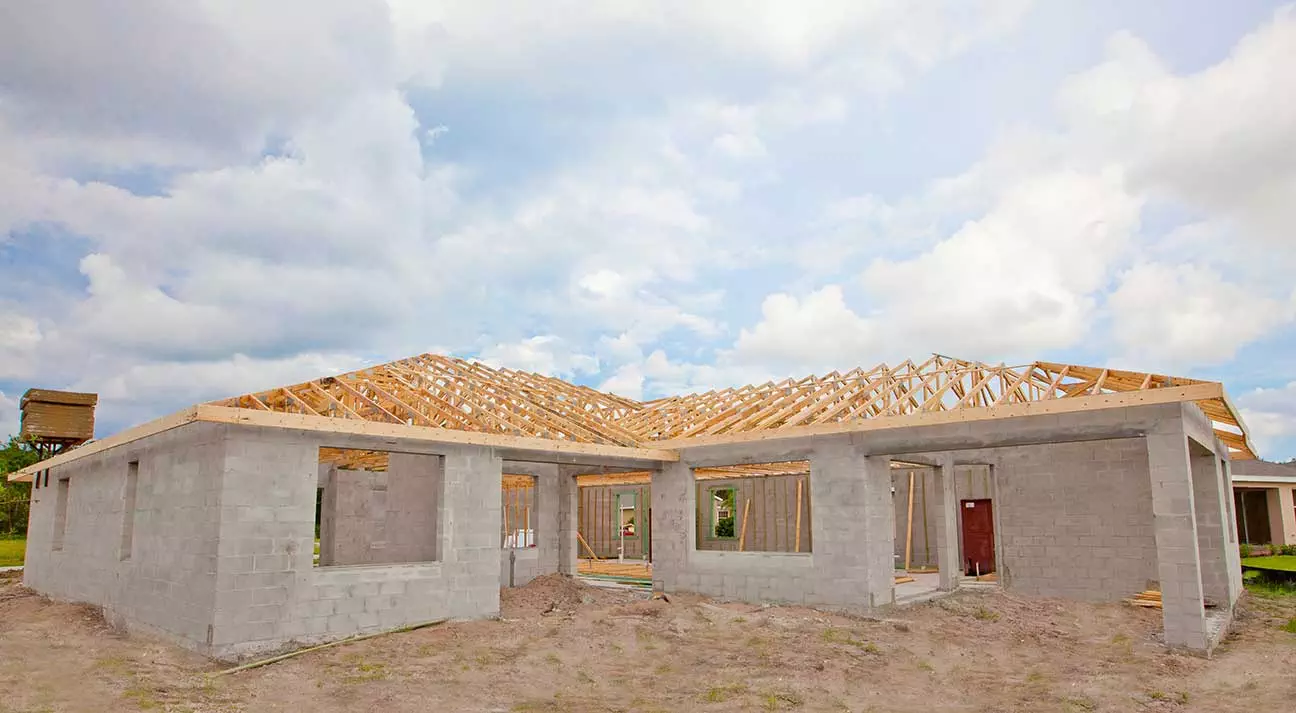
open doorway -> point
(615, 522)
(916, 494)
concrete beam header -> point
(562, 451)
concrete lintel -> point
(597, 462)
(914, 443)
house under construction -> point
(414, 490)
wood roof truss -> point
(448, 393)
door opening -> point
(978, 537)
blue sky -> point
(199, 199)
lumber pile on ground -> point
(1150, 598)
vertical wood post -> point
(742, 536)
(800, 483)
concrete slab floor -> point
(924, 587)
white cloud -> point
(20, 340)
(306, 212)
(1270, 416)
(543, 354)
(814, 334)
(1167, 316)
(10, 416)
(1220, 140)
(174, 81)
(627, 381)
(1021, 280)
(886, 38)
(141, 390)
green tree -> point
(16, 455)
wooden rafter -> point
(447, 393)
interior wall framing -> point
(851, 528)
(971, 482)
(769, 505)
(520, 565)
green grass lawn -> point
(1280, 563)
(12, 552)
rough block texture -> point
(1211, 515)
(163, 580)
(1075, 519)
(272, 595)
(527, 563)
(568, 519)
(851, 564)
(947, 525)
(218, 554)
(1179, 562)
(381, 517)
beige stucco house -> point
(1264, 495)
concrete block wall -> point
(850, 565)
(568, 494)
(1211, 516)
(380, 517)
(1178, 556)
(947, 524)
(165, 582)
(268, 594)
(1075, 519)
(527, 563)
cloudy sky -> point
(203, 198)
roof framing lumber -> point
(458, 401)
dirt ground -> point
(563, 646)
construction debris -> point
(1150, 598)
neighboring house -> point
(1264, 495)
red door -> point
(978, 537)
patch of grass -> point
(537, 706)
(926, 666)
(1181, 697)
(984, 614)
(117, 664)
(837, 636)
(1078, 704)
(1290, 626)
(1271, 588)
(1276, 563)
(365, 672)
(12, 552)
(553, 660)
(720, 694)
(142, 697)
(781, 699)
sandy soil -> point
(562, 646)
